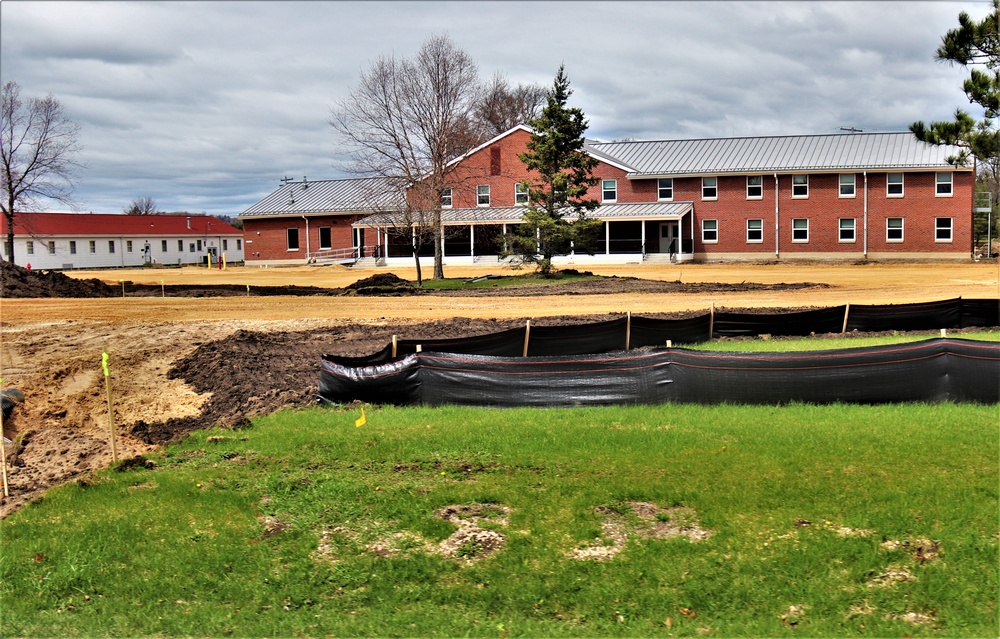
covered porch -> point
(632, 232)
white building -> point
(95, 240)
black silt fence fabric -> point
(613, 335)
(933, 371)
(905, 317)
(827, 320)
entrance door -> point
(669, 237)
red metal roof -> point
(108, 224)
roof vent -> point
(305, 182)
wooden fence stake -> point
(670, 343)
(420, 348)
(847, 311)
(527, 333)
(711, 322)
(3, 451)
(394, 347)
(111, 411)
(944, 332)
(628, 330)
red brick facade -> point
(266, 238)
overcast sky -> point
(205, 106)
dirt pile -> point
(382, 284)
(17, 281)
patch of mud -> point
(472, 542)
(916, 618)
(921, 549)
(272, 525)
(639, 519)
(891, 577)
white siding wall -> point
(102, 257)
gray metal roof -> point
(834, 152)
(512, 214)
(356, 195)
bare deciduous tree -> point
(38, 145)
(502, 107)
(406, 120)
(141, 206)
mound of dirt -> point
(382, 284)
(17, 281)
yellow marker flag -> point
(104, 362)
(361, 421)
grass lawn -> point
(655, 520)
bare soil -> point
(193, 348)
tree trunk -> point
(10, 234)
(416, 258)
(438, 249)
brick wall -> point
(267, 238)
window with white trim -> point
(709, 188)
(894, 185)
(239, 245)
(52, 247)
(848, 182)
(483, 195)
(943, 186)
(894, 229)
(30, 247)
(180, 246)
(225, 243)
(710, 231)
(446, 197)
(93, 247)
(199, 246)
(800, 186)
(847, 229)
(942, 229)
(800, 229)
(521, 194)
(755, 231)
(291, 240)
(609, 190)
(72, 247)
(128, 246)
(755, 187)
(325, 239)
(665, 189)
(163, 246)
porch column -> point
(643, 236)
(607, 237)
(472, 241)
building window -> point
(199, 246)
(446, 197)
(894, 229)
(163, 246)
(93, 247)
(942, 229)
(755, 187)
(520, 194)
(609, 190)
(111, 246)
(800, 186)
(943, 184)
(180, 246)
(665, 189)
(325, 239)
(191, 247)
(52, 247)
(128, 246)
(847, 185)
(709, 188)
(894, 185)
(800, 229)
(710, 231)
(72, 247)
(755, 231)
(292, 239)
(30, 247)
(483, 195)
(225, 243)
(239, 245)
(847, 229)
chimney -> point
(189, 222)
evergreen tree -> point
(562, 174)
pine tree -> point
(563, 174)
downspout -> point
(307, 237)
(865, 173)
(777, 231)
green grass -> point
(779, 344)
(183, 549)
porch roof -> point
(512, 214)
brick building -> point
(106, 240)
(840, 196)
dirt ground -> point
(204, 351)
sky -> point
(205, 106)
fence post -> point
(527, 334)
(628, 329)
(394, 347)
(711, 322)
(420, 348)
(847, 310)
